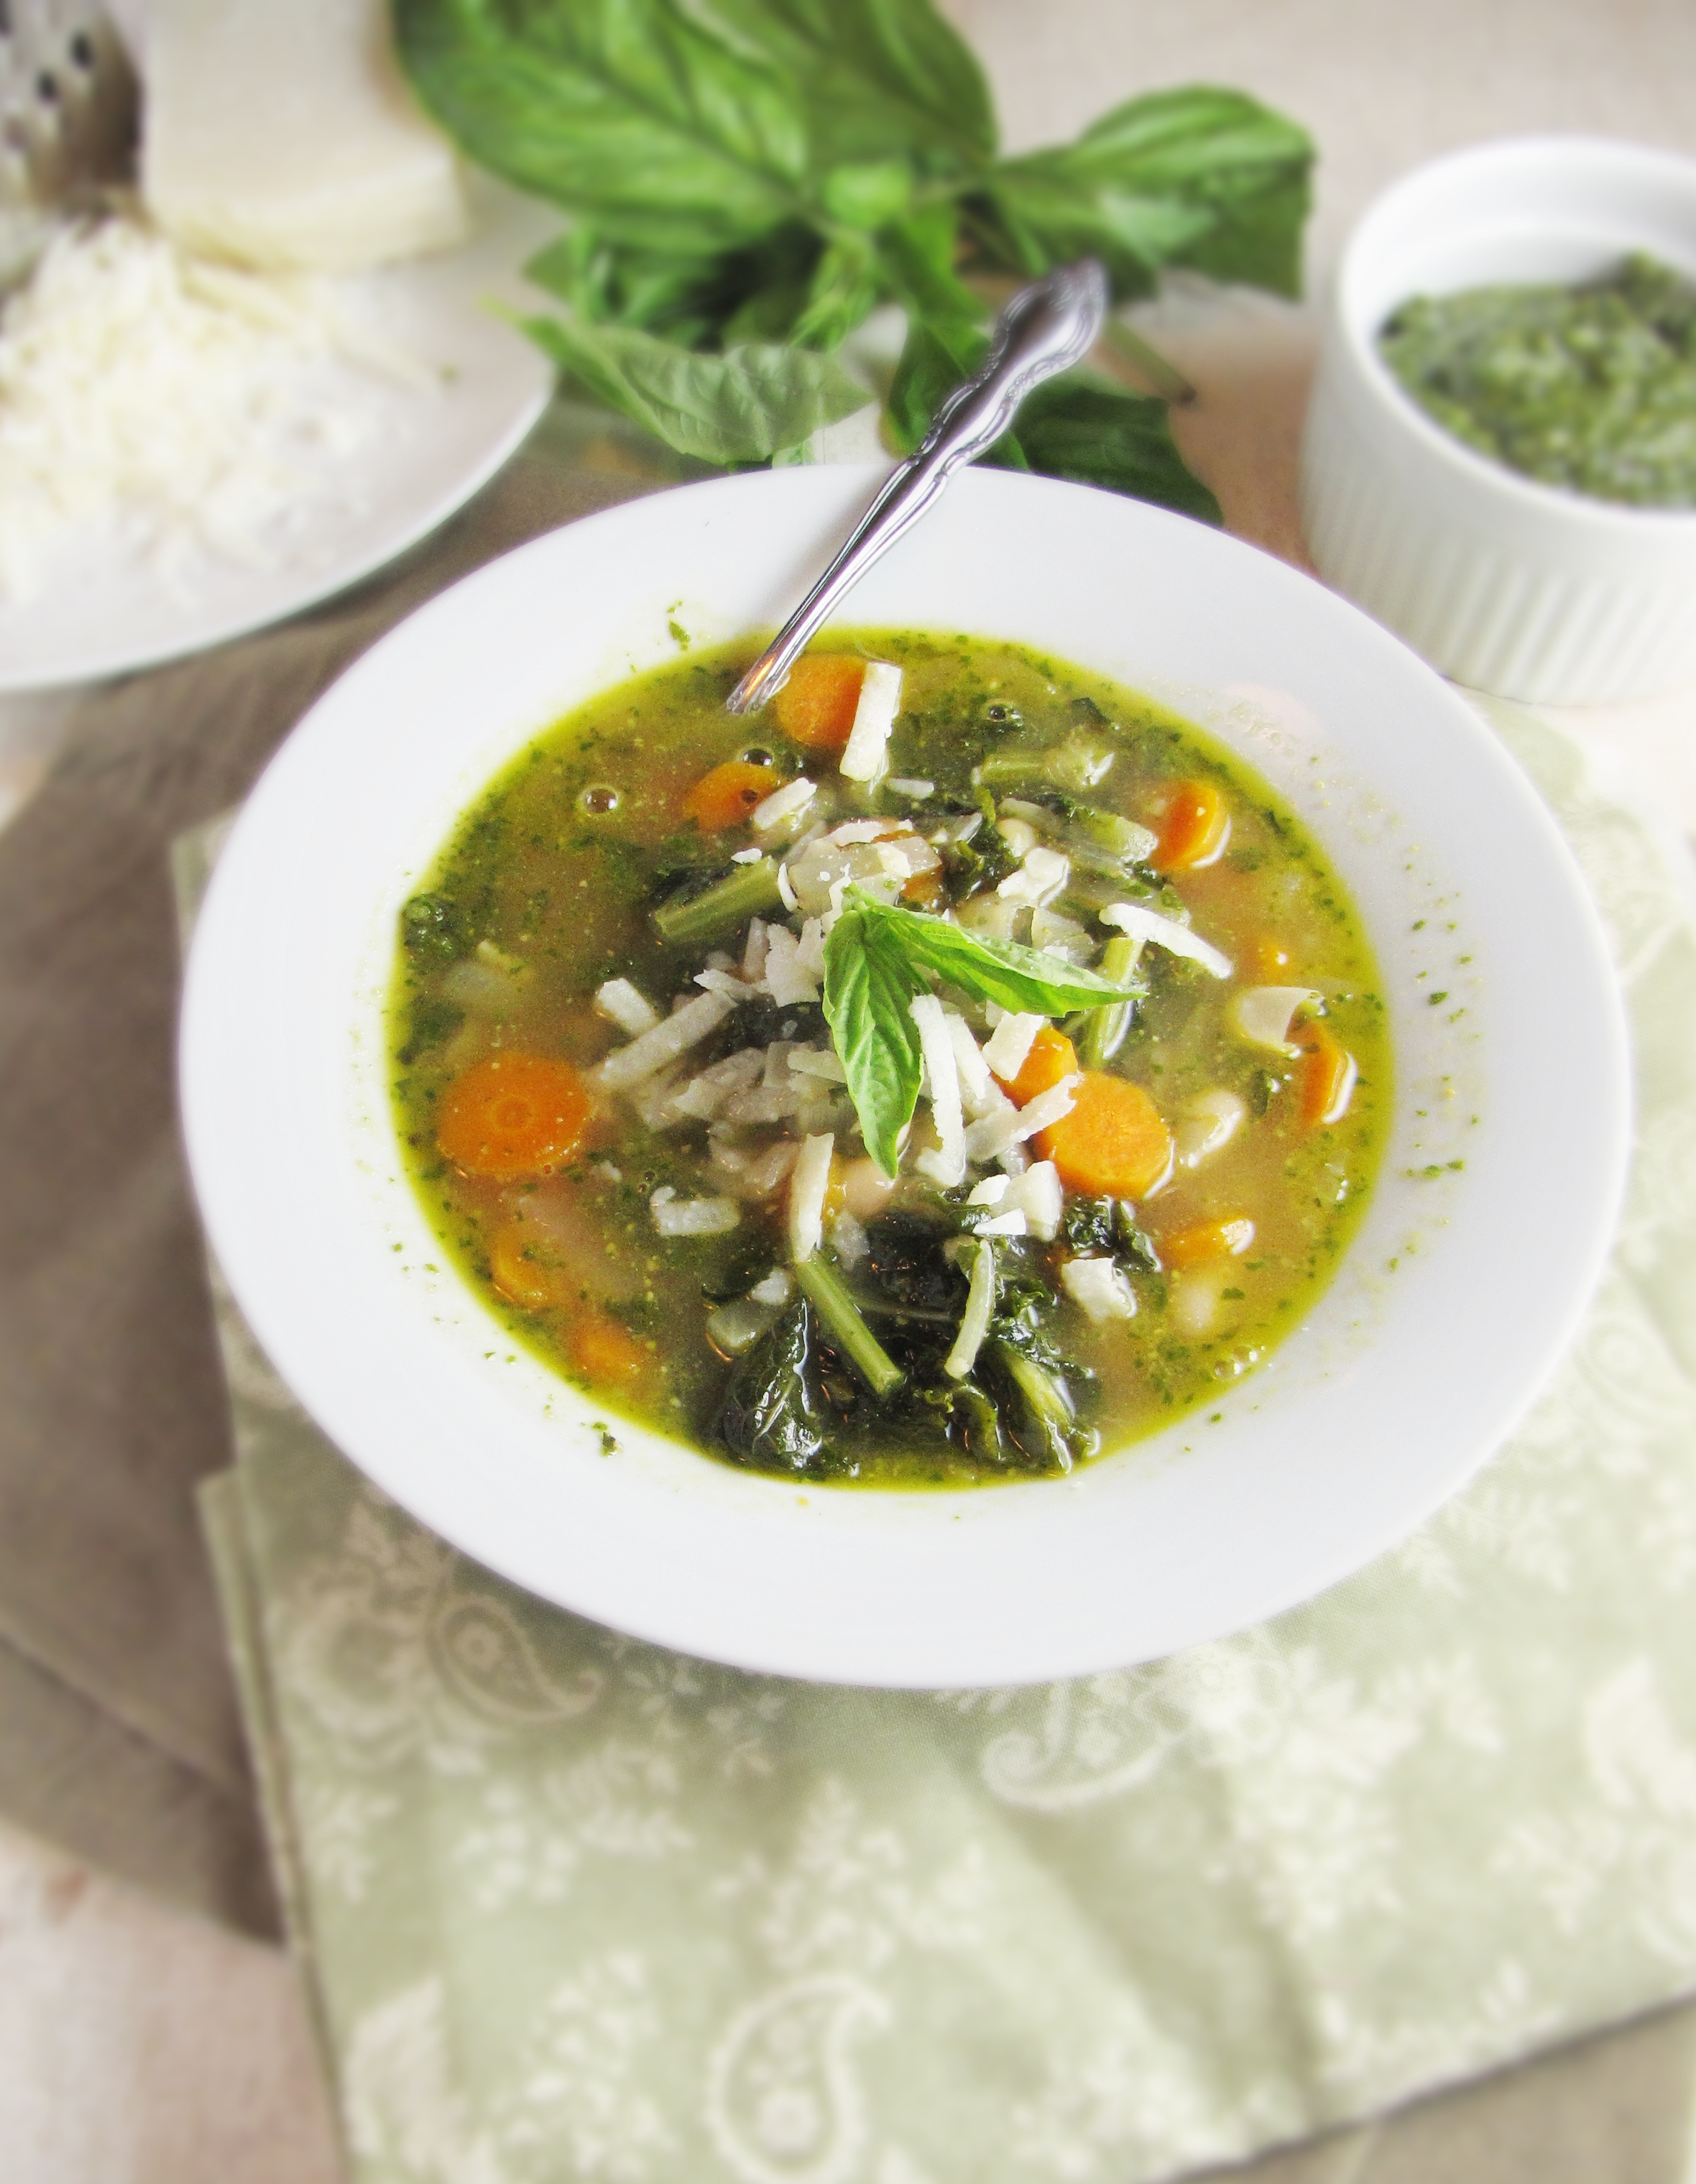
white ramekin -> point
(1509, 586)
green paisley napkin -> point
(575, 1909)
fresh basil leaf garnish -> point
(875, 963)
(1028, 979)
(870, 984)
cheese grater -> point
(68, 107)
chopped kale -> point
(983, 860)
(432, 925)
(1109, 1224)
(907, 1264)
(429, 1022)
(774, 1417)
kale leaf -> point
(774, 1415)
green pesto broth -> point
(548, 889)
(1590, 387)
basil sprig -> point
(879, 958)
(747, 179)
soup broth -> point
(960, 1067)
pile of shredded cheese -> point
(179, 406)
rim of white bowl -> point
(665, 1544)
(1500, 157)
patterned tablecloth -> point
(573, 1907)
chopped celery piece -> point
(748, 892)
(1123, 839)
(1105, 1030)
(1080, 763)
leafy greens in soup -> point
(962, 1068)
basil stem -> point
(1105, 1031)
(745, 892)
(826, 1292)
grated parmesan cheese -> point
(184, 407)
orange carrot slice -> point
(1052, 1056)
(1327, 1076)
(520, 1275)
(725, 797)
(608, 1354)
(1112, 1145)
(1227, 1239)
(1194, 827)
(514, 1114)
(816, 707)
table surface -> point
(141, 2045)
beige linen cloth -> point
(118, 1731)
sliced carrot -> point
(1269, 956)
(1194, 827)
(725, 797)
(927, 891)
(1112, 1145)
(1052, 1056)
(520, 1274)
(1327, 1076)
(605, 1352)
(816, 706)
(514, 1114)
(1227, 1239)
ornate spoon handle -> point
(1046, 328)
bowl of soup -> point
(1070, 1131)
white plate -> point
(105, 610)
(1463, 1285)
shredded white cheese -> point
(692, 1217)
(1042, 874)
(789, 981)
(1166, 932)
(976, 1084)
(783, 803)
(819, 1063)
(947, 1165)
(1098, 1287)
(674, 1035)
(849, 1239)
(866, 749)
(808, 1186)
(1038, 1194)
(1008, 1126)
(1009, 1043)
(626, 1006)
(186, 410)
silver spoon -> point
(1046, 328)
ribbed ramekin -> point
(1510, 586)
